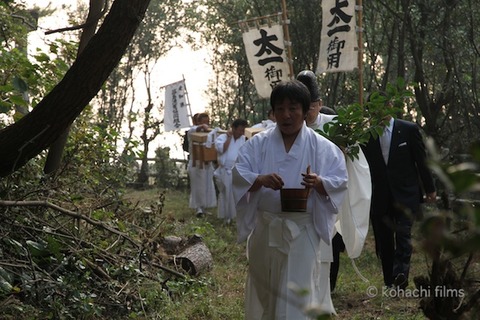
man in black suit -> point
(400, 175)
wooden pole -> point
(187, 99)
(360, 51)
(287, 38)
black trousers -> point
(337, 246)
(393, 242)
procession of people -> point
(293, 255)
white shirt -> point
(385, 140)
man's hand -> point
(312, 180)
(272, 181)
(431, 197)
(202, 128)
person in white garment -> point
(351, 227)
(202, 189)
(283, 248)
(227, 146)
(318, 114)
(267, 123)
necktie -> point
(385, 143)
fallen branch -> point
(44, 203)
(178, 274)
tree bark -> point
(55, 153)
(36, 131)
(195, 259)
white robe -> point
(353, 218)
(202, 189)
(266, 124)
(286, 246)
(223, 175)
(322, 118)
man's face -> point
(289, 116)
(313, 111)
(238, 132)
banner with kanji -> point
(338, 41)
(176, 109)
(267, 57)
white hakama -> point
(223, 175)
(202, 189)
(283, 278)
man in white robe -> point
(353, 218)
(227, 146)
(284, 247)
(202, 189)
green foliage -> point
(451, 239)
(167, 172)
(355, 123)
(25, 82)
(14, 25)
(15, 66)
(50, 67)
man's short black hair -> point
(293, 90)
(309, 79)
(327, 110)
(239, 123)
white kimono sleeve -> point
(354, 215)
(244, 175)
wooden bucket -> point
(294, 200)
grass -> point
(218, 294)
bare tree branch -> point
(44, 203)
(83, 25)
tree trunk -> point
(55, 152)
(36, 131)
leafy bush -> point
(355, 123)
(451, 240)
(167, 173)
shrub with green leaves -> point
(355, 123)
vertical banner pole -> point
(287, 38)
(187, 99)
(360, 51)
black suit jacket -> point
(407, 173)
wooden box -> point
(200, 151)
(204, 154)
(250, 132)
(199, 136)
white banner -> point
(267, 57)
(338, 41)
(176, 114)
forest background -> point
(69, 147)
